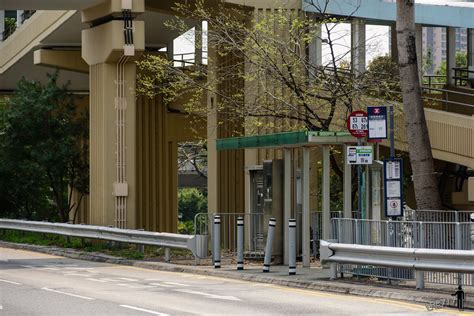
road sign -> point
(359, 155)
(377, 122)
(357, 124)
(393, 187)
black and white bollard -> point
(268, 248)
(240, 243)
(292, 246)
(217, 241)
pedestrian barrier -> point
(419, 260)
(130, 236)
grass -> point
(115, 249)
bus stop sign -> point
(357, 124)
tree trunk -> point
(421, 158)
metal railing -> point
(403, 234)
(438, 215)
(138, 237)
(413, 259)
(254, 232)
(188, 59)
(407, 234)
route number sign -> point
(357, 124)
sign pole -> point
(392, 133)
(359, 185)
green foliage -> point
(190, 202)
(43, 152)
(10, 27)
(382, 78)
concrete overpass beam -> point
(67, 60)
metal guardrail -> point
(417, 259)
(138, 237)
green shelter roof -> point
(285, 140)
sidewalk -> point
(314, 278)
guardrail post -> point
(357, 232)
(217, 242)
(333, 271)
(339, 230)
(167, 255)
(420, 280)
(240, 243)
(292, 247)
(269, 247)
(141, 248)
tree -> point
(44, 148)
(421, 158)
(261, 74)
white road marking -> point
(29, 267)
(136, 286)
(175, 283)
(110, 280)
(162, 285)
(49, 268)
(1, 307)
(128, 279)
(11, 282)
(143, 310)
(66, 293)
(97, 280)
(219, 297)
(78, 268)
(77, 274)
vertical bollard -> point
(269, 246)
(420, 280)
(292, 246)
(217, 242)
(240, 243)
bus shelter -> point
(305, 140)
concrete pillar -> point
(19, 19)
(470, 52)
(212, 126)
(419, 49)
(326, 221)
(2, 24)
(198, 44)
(113, 184)
(393, 43)
(287, 183)
(450, 54)
(347, 186)
(306, 218)
(315, 49)
(358, 40)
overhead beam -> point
(47, 4)
(61, 59)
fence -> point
(438, 216)
(254, 225)
(405, 234)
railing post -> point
(217, 242)
(292, 246)
(141, 248)
(269, 247)
(420, 280)
(458, 240)
(357, 232)
(472, 231)
(422, 236)
(339, 230)
(240, 243)
(167, 255)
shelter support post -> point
(306, 219)
(286, 200)
(326, 221)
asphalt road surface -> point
(39, 284)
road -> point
(39, 284)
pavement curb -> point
(341, 287)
